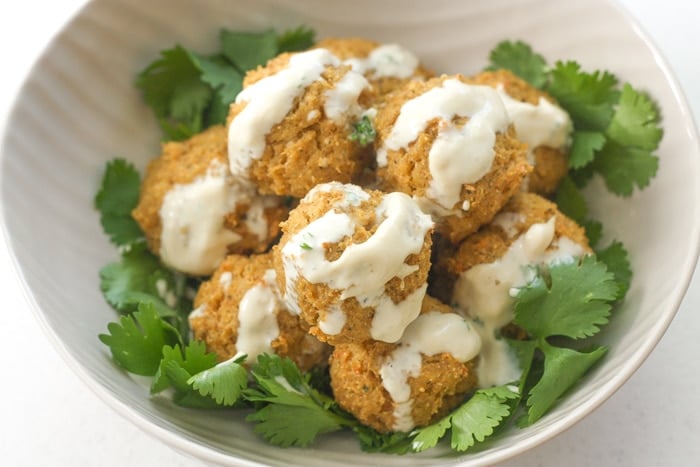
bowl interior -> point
(79, 109)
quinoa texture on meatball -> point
(539, 122)
(427, 373)
(289, 129)
(386, 66)
(354, 263)
(194, 213)
(494, 240)
(239, 310)
(448, 143)
(522, 212)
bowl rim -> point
(207, 454)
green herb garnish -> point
(189, 92)
(363, 131)
(615, 131)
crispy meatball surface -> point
(358, 373)
(408, 168)
(354, 263)
(387, 66)
(254, 219)
(550, 164)
(311, 143)
(217, 317)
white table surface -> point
(48, 417)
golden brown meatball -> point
(239, 310)
(463, 173)
(289, 129)
(396, 387)
(550, 138)
(493, 241)
(246, 222)
(386, 66)
(354, 263)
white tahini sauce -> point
(197, 312)
(193, 237)
(459, 155)
(485, 292)
(363, 269)
(257, 318)
(165, 293)
(225, 279)
(354, 195)
(268, 101)
(544, 124)
(342, 100)
(388, 60)
(431, 333)
(334, 321)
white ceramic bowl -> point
(79, 109)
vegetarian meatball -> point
(414, 382)
(193, 212)
(239, 311)
(354, 263)
(290, 127)
(529, 232)
(386, 66)
(448, 143)
(539, 122)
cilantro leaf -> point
(388, 443)
(519, 58)
(185, 395)
(594, 231)
(570, 201)
(617, 261)
(117, 197)
(588, 97)
(428, 437)
(172, 87)
(290, 398)
(562, 369)
(194, 359)
(363, 131)
(623, 167)
(279, 424)
(136, 342)
(224, 382)
(636, 121)
(247, 50)
(584, 145)
(133, 280)
(221, 76)
(473, 421)
(575, 304)
(218, 109)
(198, 381)
(476, 419)
(295, 40)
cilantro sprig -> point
(472, 422)
(363, 131)
(616, 131)
(572, 300)
(189, 92)
(117, 197)
(288, 398)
